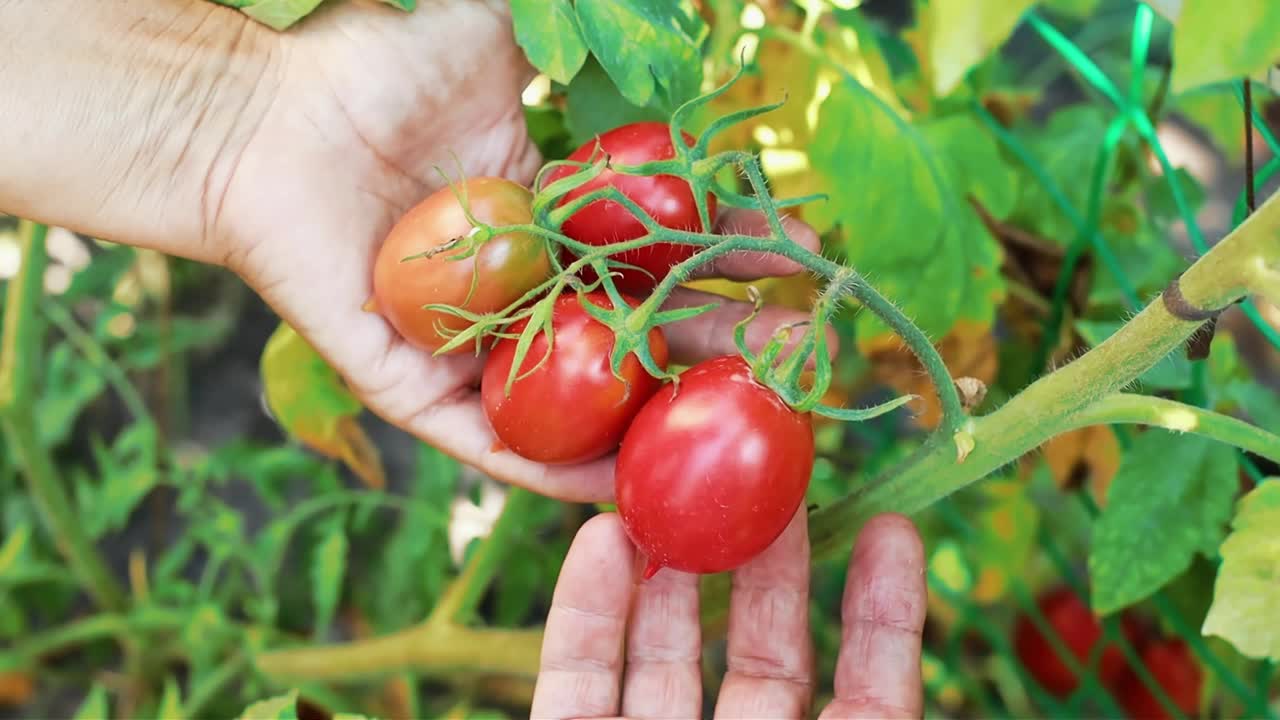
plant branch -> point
(458, 602)
(1051, 404)
(1125, 408)
(19, 361)
(436, 649)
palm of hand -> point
(369, 104)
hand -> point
(599, 608)
(310, 145)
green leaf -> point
(1160, 200)
(128, 473)
(1215, 41)
(593, 105)
(1079, 9)
(1170, 499)
(1246, 595)
(279, 14)
(932, 254)
(964, 32)
(70, 384)
(406, 5)
(548, 32)
(96, 705)
(328, 567)
(1215, 111)
(15, 551)
(313, 404)
(287, 707)
(650, 48)
(171, 701)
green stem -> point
(19, 361)
(1127, 408)
(458, 602)
(1049, 406)
(213, 685)
(98, 627)
(437, 649)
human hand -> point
(617, 647)
(295, 155)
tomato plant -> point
(500, 271)
(1074, 623)
(1175, 669)
(666, 198)
(712, 469)
(571, 408)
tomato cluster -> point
(710, 469)
(1168, 660)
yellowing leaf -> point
(1215, 41)
(1089, 454)
(1246, 595)
(1007, 538)
(969, 351)
(16, 688)
(312, 404)
(964, 32)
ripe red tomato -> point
(1172, 665)
(572, 408)
(1079, 630)
(508, 265)
(666, 198)
(712, 469)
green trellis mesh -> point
(988, 679)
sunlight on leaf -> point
(328, 568)
(548, 32)
(1246, 595)
(1215, 41)
(313, 404)
(650, 49)
(1170, 500)
(965, 32)
(96, 705)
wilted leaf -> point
(1216, 41)
(650, 48)
(1089, 454)
(1006, 538)
(1171, 499)
(964, 32)
(548, 32)
(313, 404)
(969, 351)
(1246, 595)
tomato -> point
(666, 198)
(1173, 666)
(712, 469)
(572, 408)
(508, 266)
(1079, 630)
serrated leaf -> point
(70, 384)
(1170, 500)
(1246, 594)
(964, 32)
(650, 48)
(931, 255)
(328, 567)
(96, 705)
(548, 32)
(128, 473)
(313, 404)
(279, 14)
(1215, 41)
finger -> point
(770, 653)
(663, 678)
(580, 672)
(752, 265)
(711, 334)
(883, 613)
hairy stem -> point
(19, 362)
(436, 649)
(1055, 403)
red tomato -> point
(572, 409)
(508, 266)
(1079, 630)
(712, 469)
(666, 198)
(1172, 665)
